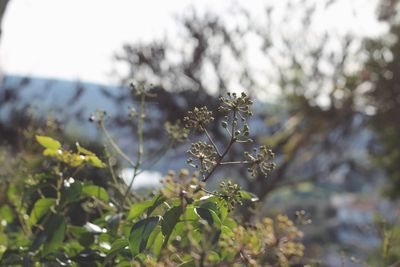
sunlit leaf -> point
(51, 152)
(96, 162)
(84, 151)
(48, 142)
(249, 196)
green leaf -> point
(223, 211)
(90, 156)
(150, 205)
(40, 208)
(213, 257)
(52, 235)
(157, 245)
(226, 230)
(86, 239)
(140, 234)
(84, 151)
(209, 215)
(51, 152)
(190, 214)
(178, 229)
(72, 193)
(153, 236)
(169, 220)
(48, 142)
(230, 223)
(138, 209)
(95, 191)
(116, 247)
(249, 196)
(6, 213)
(157, 201)
(119, 245)
(113, 222)
(215, 204)
(210, 204)
(76, 231)
(96, 162)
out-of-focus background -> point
(324, 75)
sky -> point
(76, 39)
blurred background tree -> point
(315, 85)
(309, 74)
(384, 95)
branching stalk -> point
(142, 115)
(114, 144)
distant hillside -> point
(46, 95)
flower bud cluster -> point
(241, 104)
(260, 161)
(230, 192)
(204, 154)
(198, 118)
(267, 240)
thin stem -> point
(227, 149)
(76, 171)
(136, 165)
(210, 192)
(155, 157)
(114, 177)
(110, 167)
(234, 162)
(211, 141)
(114, 145)
(202, 169)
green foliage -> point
(53, 149)
(41, 208)
(182, 224)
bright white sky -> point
(76, 39)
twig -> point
(114, 145)
(139, 146)
(211, 141)
(231, 142)
(234, 162)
